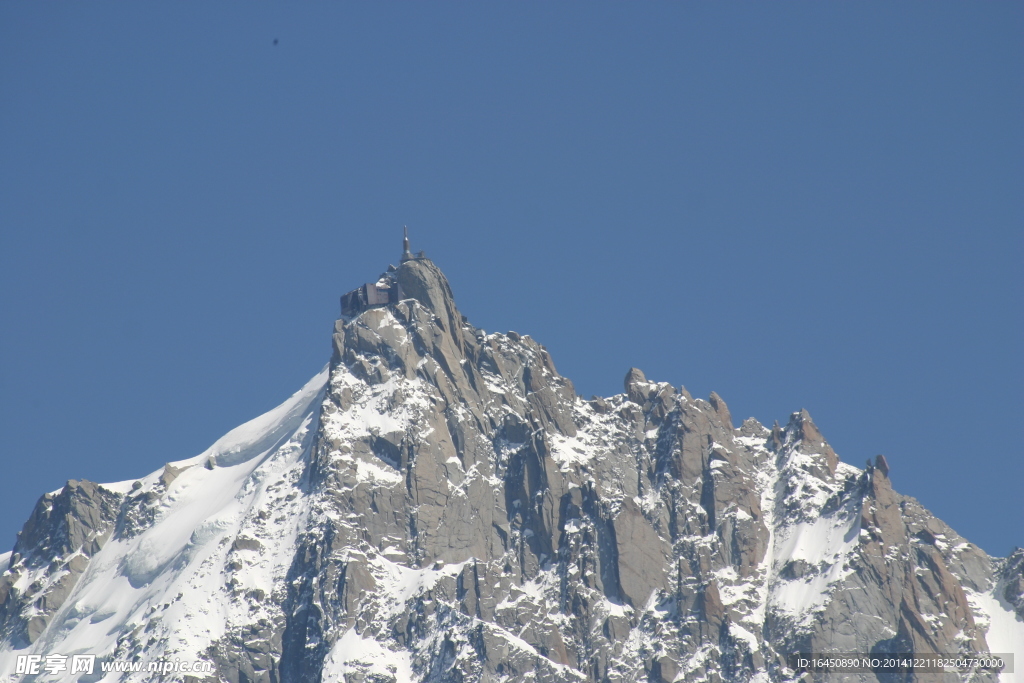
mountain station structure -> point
(386, 290)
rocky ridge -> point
(440, 505)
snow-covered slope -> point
(439, 505)
(162, 571)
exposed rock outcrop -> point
(450, 510)
(65, 530)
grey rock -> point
(170, 473)
(242, 543)
(481, 522)
(77, 519)
(721, 410)
(635, 385)
(1012, 581)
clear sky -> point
(798, 205)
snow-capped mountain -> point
(438, 504)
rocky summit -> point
(438, 504)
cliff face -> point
(439, 505)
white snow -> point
(737, 631)
(378, 409)
(823, 540)
(353, 654)
(403, 583)
(164, 577)
(177, 577)
(1004, 630)
(615, 609)
(767, 480)
(374, 473)
(120, 486)
(824, 545)
(494, 383)
(569, 451)
(257, 436)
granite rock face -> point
(65, 530)
(440, 505)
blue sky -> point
(796, 205)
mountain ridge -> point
(438, 504)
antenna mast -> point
(406, 254)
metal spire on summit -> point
(406, 254)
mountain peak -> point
(421, 279)
(416, 277)
(438, 504)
